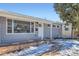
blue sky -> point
(45, 11)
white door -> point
(40, 31)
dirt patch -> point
(17, 47)
(54, 50)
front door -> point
(40, 31)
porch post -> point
(51, 31)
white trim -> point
(13, 28)
(6, 25)
(30, 27)
(51, 31)
(34, 27)
(42, 31)
(18, 33)
(23, 17)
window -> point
(66, 29)
(15, 26)
(9, 23)
(36, 24)
(57, 26)
(39, 25)
(21, 27)
(36, 29)
(66, 24)
(48, 25)
(54, 26)
(32, 27)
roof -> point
(25, 16)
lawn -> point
(58, 47)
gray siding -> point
(56, 32)
(46, 31)
(67, 33)
(22, 37)
(2, 28)
(13, 38)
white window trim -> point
(6, 26)
(13, 28)
(30, 26)
(34, 28)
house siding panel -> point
(8, 38)
(67, 33)
(57, 32)
(46, 31)
(2, 28)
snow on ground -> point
(32, 51)
(68, 48)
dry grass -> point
(17, 47)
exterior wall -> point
(40, 31)
(12, 37)
(19, 37)
(67, 34)
(2, 28)
(46, 31)
(56, 32)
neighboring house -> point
(16, 27)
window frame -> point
(13, 27)
(58, 26)
(66, 29)
(27, 23)
(9, 25)
(54, 25)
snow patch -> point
(69, 48)
(33, 51)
